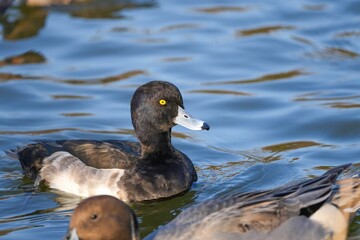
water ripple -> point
(268, 77)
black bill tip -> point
(205, 126)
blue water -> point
(278, 81)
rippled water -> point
(278, 81)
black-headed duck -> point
(150, 169)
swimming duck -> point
(315, 209)
(103, 217)
(150, 169)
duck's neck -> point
(156, 144)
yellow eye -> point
(162, 102)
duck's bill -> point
(185, 120)
(72, 235)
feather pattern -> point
(269, 214)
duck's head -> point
(103, 217)
(157, 106)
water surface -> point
(277, 81)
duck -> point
(313, 209)
(131, 171)
(103, 217)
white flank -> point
(67, 173)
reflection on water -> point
(32, 14)
(177, 59)
(268, 77)
(277, 81)
(180, 26)
(77, 114)
(333, 53)
(29, 57)
(108, 9)
(262, 30)
(315, 7)
(221, 9)
(70, 97)
(4, 5)
(348, 34)
(325, 97)
(105, 80)
(338, 100)
(222, 92)
(97, 81)
(343, 105)
(27, 24)
(290, 146)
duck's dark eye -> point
(93, 216)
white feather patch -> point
(330, 218)
(67, 173)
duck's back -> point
(98, 154)
(104, 154)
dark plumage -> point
(150, 169)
